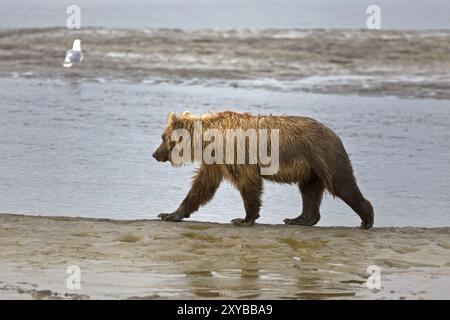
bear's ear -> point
(206, 116)
(187, 114)
(172, 118)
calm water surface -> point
(84, 148)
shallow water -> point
(72, 147)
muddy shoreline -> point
(151, 259)
(410, 64)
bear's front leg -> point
(204, 186)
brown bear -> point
(309, 155)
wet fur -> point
(311, 156)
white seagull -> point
(74, 55)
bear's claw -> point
(242, 222)
(366, 225)
(170, 217)
(302, 221)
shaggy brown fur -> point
(311, 156)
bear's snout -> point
(157, 155)
(160, 154)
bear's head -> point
(164, 151)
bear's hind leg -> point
(251, 195)
(351, 195)
(312, 193)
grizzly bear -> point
(309, 155)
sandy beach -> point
(150, 259)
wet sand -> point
(153, 259)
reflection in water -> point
(242, 269)
(208, 279)
(74, 82)
(202, 283)
(250, 276)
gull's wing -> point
(73, 57)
